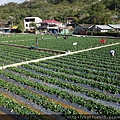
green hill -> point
(84, 11)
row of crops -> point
(83, 83)
(10, 55)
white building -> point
(29, 20)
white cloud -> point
(2, 2)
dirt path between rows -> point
(20, 102)
(63, 104)
(56, 56)
(57, 102)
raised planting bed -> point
(10, 55)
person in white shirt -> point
(112, 52)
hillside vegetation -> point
(83, 11)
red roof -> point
(51, 21)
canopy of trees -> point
(84, 11)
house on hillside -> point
(29, 20)
(66, 29)
(52, 26)
(116, 27)
(101, 28)
(82, 29)
(69, 20)
(4, 27)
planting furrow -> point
(83, 89)
(39, 94)
(89, 91)
(32, 105)
(77, 68)
(4, 116)
(21, 56)
(47, 94)
(24, 52)
(54, 91)
(42, 67)
(9, 114)
(23, 98)
(69, 61)
(5, 62)
(78, 64)
(108, 87)
(91, 59)
(84, 93)
(95, 58)
(21, 108)
(34, 97)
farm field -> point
(50, 41)
(81, 84)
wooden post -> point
(3, 66)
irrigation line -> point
(56, 56)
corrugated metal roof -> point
(51, 21)
(104, 27)
(86, 25)
(114, 26)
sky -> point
(2, 2)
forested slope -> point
(84, 11)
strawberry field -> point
(75, 86)
(50, 41)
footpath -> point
(56, 56)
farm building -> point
(82, 29)
(101, 28)
(4, 26)
(116, 27)
(29, 20)
(50, 25)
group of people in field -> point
(102, 41)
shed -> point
(101, 28)
(116, 27)
(82, 29)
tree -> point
(98, 7)
(12, 19)
(55, 1)
(33, 26)
(21, 27)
